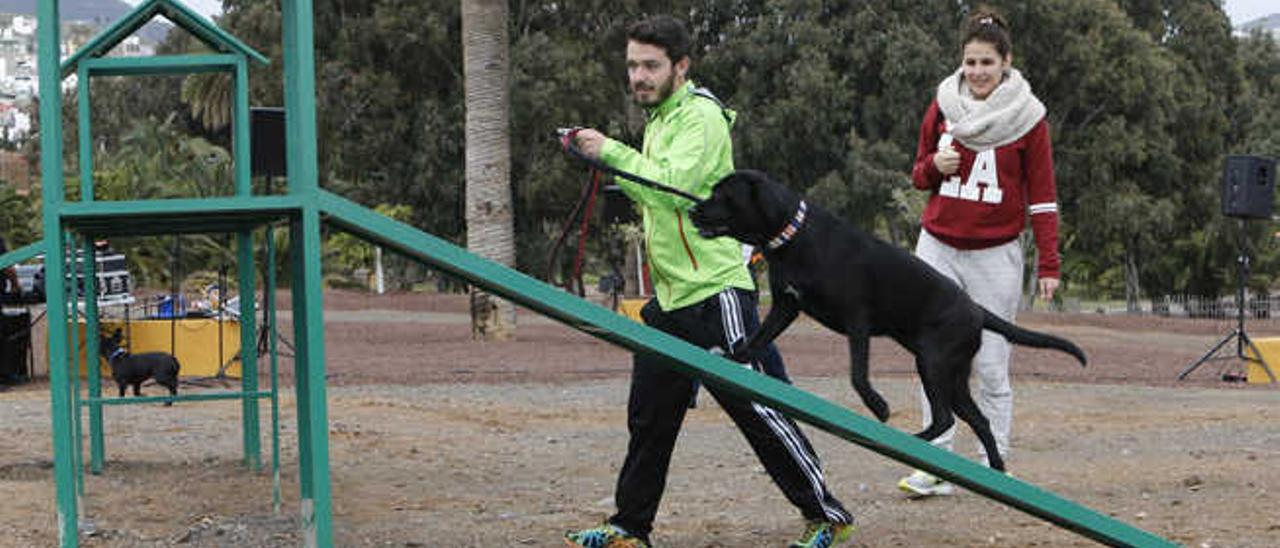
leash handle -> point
(567, 135)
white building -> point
(24, 25)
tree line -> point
(1145, 98)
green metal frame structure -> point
(306, 206)
(87, 63)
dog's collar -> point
(791, 229)
(118, 352)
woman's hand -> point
(1047, 288)
(947, 161)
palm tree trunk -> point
(490, 224)
(1132, 287)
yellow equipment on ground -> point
(194, 341)
(1270, 349)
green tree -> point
(1255, 115)
(157, 160)
(19, 216)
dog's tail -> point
(1027, 337)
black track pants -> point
(659, 399)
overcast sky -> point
(207, 8)
(1243, 11)
(210, 8)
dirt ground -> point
(439, 441)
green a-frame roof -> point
(173, 10)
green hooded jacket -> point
(687, 146)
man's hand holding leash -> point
(585, 140)
(586, 144)
(589, 141)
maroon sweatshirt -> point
(986, 202)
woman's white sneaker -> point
(921, 484)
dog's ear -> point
(755, 180)
(754, 183)
(731, 189)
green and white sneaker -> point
(607, 535)
(823, 534)
(921, 484)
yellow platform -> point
(1270, 349)
(194, 341)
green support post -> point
(309, 382)
(241, 124)
(97, 447)
(73, 311)
(83, 107)
(244, 243)
(52, 195)
(300, 97)
(300, 128)
(269, 301)
(248, 353)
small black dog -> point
(132, 369)
(861, 286)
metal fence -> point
(1257, 306)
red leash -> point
(582, 231)
(584, 207)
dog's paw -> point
(882, 414)
(878, 406)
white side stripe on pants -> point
(731, 316)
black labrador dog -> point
(861, 286)
(133, 369)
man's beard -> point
(661, 94)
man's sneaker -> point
(921, 484)
(823, 534)
(605, 536)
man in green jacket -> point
(705, 295)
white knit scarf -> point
(1004, 117)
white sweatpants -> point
(993, 278)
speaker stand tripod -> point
(1238, 334)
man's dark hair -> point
(663, 31)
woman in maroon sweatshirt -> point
(985, 159)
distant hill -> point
(1270, 23)
(99, 12)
